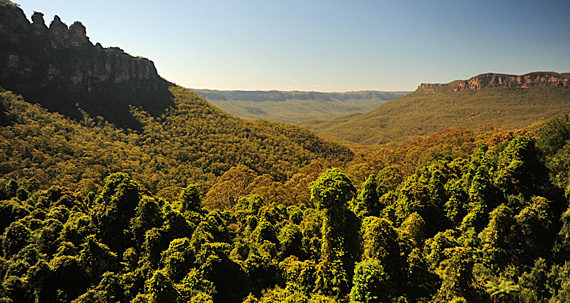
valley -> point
(117, 185)
(295, 107)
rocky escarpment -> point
(536, 79)
(59, 67)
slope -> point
(108, 112)
(193, 142)
(472, 103)
(295, 106)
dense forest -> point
(93, 213)
(193, 142)
(119, 186)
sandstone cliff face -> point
(536, 79)
(65, 57)
(51, 64)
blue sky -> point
(326, 45)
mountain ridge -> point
(524, 81)
(279, 95)
(295, 106)
(433, 107)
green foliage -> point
(191, 143)
(367, 201)
(423, 113)
(456, 273)
(370, 283)
(331, 192)
(434, 220)
(535, 283)
(497, 238)
(190, 199)
(503, 291)
(554, 135)
(553, 142)
(520, 170)
(15, 238)
(560, 277)
(161, 288)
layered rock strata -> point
(60, 68)
(535, 79)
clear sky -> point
(326, 45)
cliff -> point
(535, 79)
(60, 68)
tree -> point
(229, 188)
(161, 288)
(535, 283)
(388, 179)
(413, 227)
(228, 278)
(456, 273)
(367, 202)
(97, 258)
(553, 135)
(190, 199)
(177, 259)
(331, 192)
(302, 274)
(504, 291)
(370, 283)
(534, 223)
(560, 283)
(148, 215)
(497, 238)
(380, 241)
(116, 206)
(16, 236)
(71, 279)
(563, 244)
(519, 169)
(291, 240)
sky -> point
(330, 45)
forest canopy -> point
(460, 216)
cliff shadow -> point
(113, 104)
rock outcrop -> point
(51, 64)
(535, 79)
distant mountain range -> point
(511, 101)
(295, 106)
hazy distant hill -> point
(295, 106)
(510, 100)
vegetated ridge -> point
(295, 106)
(507, 100)
(166, 128)
(459, 216)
